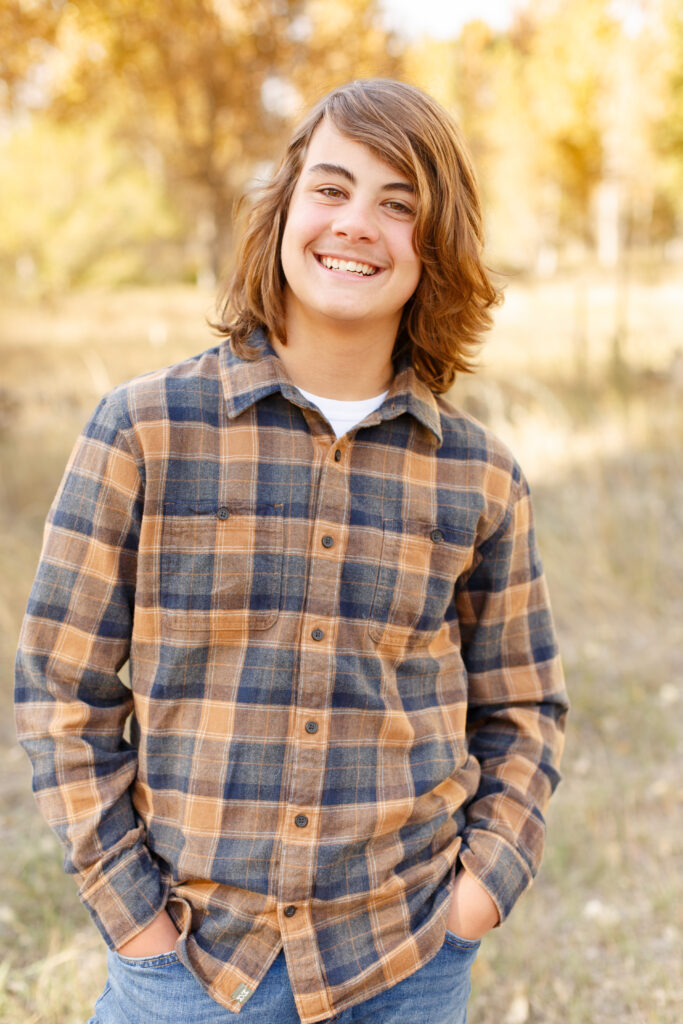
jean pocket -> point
(457, 942)
(149, 962)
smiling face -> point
(347, 248)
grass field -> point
(598, 939)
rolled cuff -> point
(497, 866)
(126, 896)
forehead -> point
(330, 146)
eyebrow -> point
(344, 172)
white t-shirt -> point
(343, 416)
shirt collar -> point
(246, 382)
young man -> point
(346, 703)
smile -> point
(349, 266)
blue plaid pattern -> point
(344, 676)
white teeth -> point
(348, 265)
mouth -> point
(354, 267)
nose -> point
(356, 222)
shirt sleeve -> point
(517, 704)
(71, 706)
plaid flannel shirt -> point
(343, 676)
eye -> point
(331, 191)
(398, 207)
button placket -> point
(313, 683)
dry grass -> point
(598, 940)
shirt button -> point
(337, 456)
(290, 911)
(317, 634)
(301, 821)
(328, 541)
(311, 727)
(223, 512)
(436, 536)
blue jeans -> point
(160, 990)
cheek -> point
(407, 253)
(412, 275)
(304, 224)
(290, 248)
(412, 265)
(285, 245)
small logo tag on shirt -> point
(242, 993)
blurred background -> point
(127, 132)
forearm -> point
(71, 707)
(517, 747)
(516, 704)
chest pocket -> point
(220, 567)
(419, 566)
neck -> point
(346, 362)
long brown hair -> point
(443, 321)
